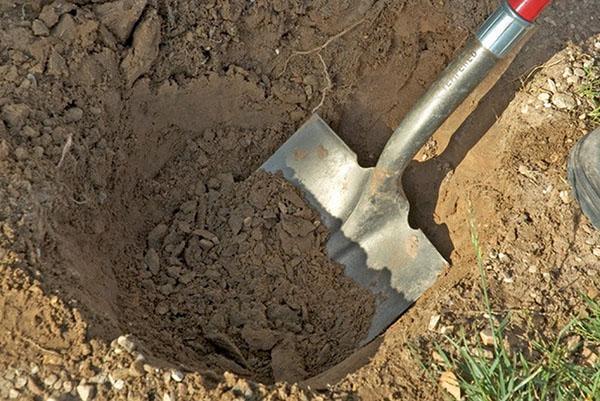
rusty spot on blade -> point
(322, 152)
(412, 247)
(378, 177)
(300, 154)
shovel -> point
(366, 209)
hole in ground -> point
(206, 272)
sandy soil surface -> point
(139, 261)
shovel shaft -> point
(497, 36)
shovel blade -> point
(374, 242)
(319, 163)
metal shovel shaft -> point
(495, 39)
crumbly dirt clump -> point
(239, 276)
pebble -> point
(487, 337)
(596, 252)
(137, 367)
(13, 394)
(67, 386)
(118, 384)
(20, 382)
(433, 322)
(152, 261)
(544, 97)
(503, 258)
(449, 382)
(86, 392)
(30, 132)
(39, 28)
(126, 342)
(49, 16)
(15, 114)
(580, 72)
(73, 114)
(564, 101)
(207, 235)
(50, 380)
(564, 197)
(119, 374)
(156, 235)
(177, 375)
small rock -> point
(13, 394)
(67, 386)
(206, 244)
(433, 322)
(50, 380)
(118, 384)
(39, 28)
(156, 235)
(187, 278)
(207, 235)
(15, 114)
(152, 261)
(126, 342)
(596, 252)
(120, 16)
(590, 356)
(174, 271)
(580, 72)
(449, 382)
(503, 258)
(30, 132)
(73, 114)
(565, 197)
(86, 392)
(487, 337)
(177, 375)
(544, 97)
(564, 101)
(49, 16)
(20, 382)
(168, 397)
(137, 367)
(57, 66)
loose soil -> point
(141, 258)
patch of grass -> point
(559, 370)
(591, 91)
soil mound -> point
(238, 278)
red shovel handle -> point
(529, 9)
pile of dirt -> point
(239, 278)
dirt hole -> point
(209, 271)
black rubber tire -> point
(584, 175)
